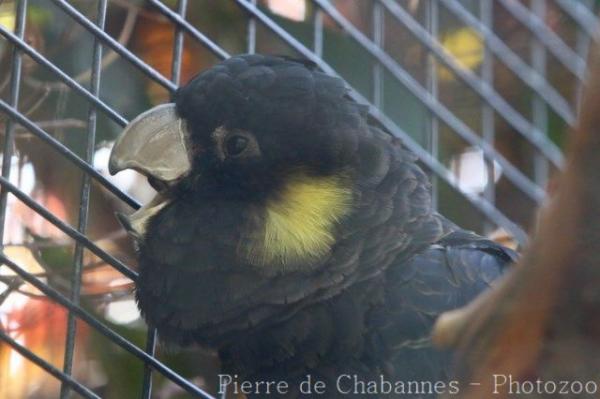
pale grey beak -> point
(154, 144)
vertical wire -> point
(223, 394)
(150, 350)
(178, 45)
(84, 203)
(318, 33)
(379, 40)
(582, 45)
(432, 26)
(151, 336)
(488, 125)
(251, 33)
(541, 167)
(15, 86)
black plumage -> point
(363, 305)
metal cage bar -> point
(251, 40)
(494, 107)
(15, 82)
(539, 110)
(533, 22)
(103, 329)
(482, 88)
(527, 75)
(487, 112)
(68, 230)
(525, 184)
(67, 153)
(84, 201)
(482, 205)
(107, 40)
(581, 14)
(71, 83)
(50, 369)
(431, 26)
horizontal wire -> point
(49, 368)
(482, 205)
(298, 46)
(485, 91)
(514, 63)
(195, 33)
(551, 41)
(581, 15)
(525, 184)
(512, 173)
(68, 230)
(118, 48)
(67, 153)
(70, 82)
(103, 329)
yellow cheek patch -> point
(300, 222)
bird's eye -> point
(235, 145)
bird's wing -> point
(447, 275)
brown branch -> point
(541, 322)
(112, 56)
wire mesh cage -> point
(484, 92)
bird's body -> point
(301, 240)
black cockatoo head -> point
(268, 131)
(274, 193)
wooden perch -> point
(542, 322)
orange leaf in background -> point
(38, 324)
(153, 41)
